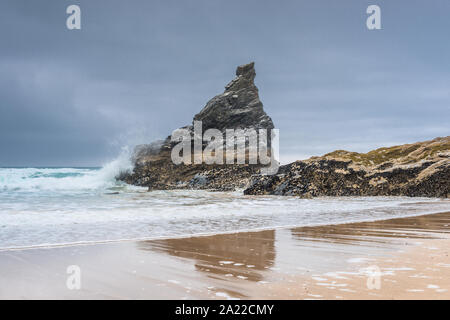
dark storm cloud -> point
(138, 69)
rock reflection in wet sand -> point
(240, 255)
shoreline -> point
(269, 264)
(272, 228)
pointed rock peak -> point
(247, 71)
(238, 107)
(245, 74)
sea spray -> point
(65, 179)
(112, 169)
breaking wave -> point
(65, 179)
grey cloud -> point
(139, 69)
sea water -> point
(65, 206)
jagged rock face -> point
(417, 170)
(238, 107)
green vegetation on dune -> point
(401, 154)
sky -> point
(139, 69)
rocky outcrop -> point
(419, 169)
(238, 107)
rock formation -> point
(420, 169)
(238, 107)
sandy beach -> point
(405, 258)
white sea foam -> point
(63, 179)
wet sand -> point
(405, 258)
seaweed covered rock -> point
(421, 169)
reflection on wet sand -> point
(378, 233)
(269, 255)
(241, 255)
(308, 262)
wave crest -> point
(65, 179)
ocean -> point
(42, 207)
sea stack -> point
(238, 107)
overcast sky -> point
(139, 69)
